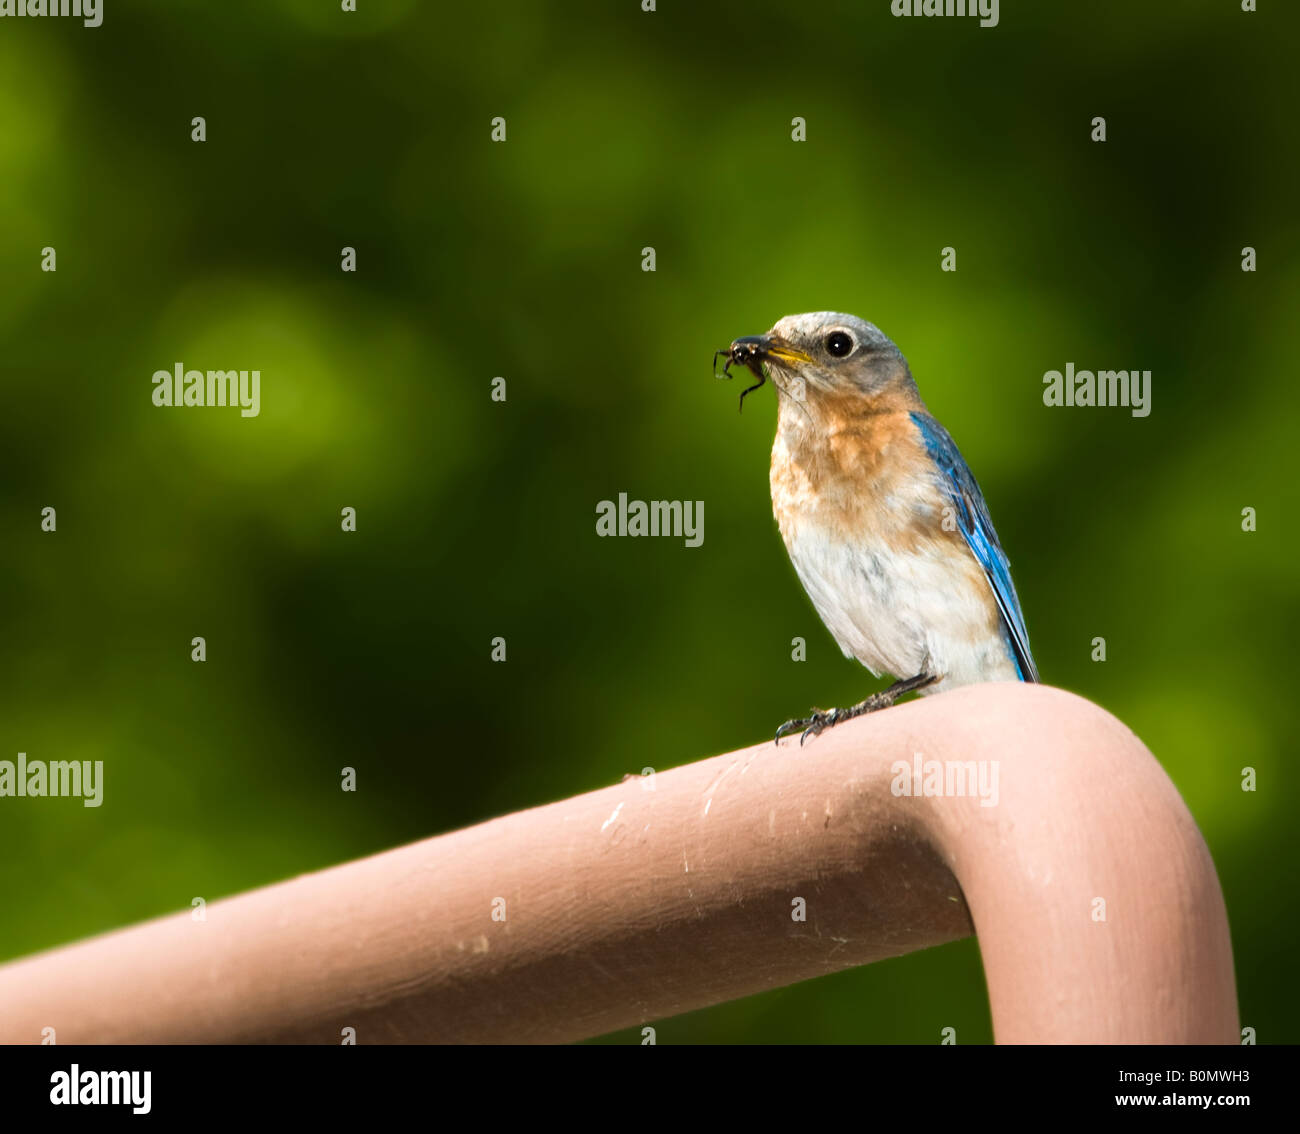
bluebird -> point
(884, 522)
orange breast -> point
(859, 472)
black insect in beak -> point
(749, 352)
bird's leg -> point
(823, 719)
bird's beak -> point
(769, 346)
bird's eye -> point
(838, 344)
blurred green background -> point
(477, 519)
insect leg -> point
(761, 379)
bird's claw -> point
(820, 720)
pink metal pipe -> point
(1098, 910)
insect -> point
(743, 352)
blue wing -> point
(977, 528)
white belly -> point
(904, 613)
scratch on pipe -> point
(713, 787)
(595, 964)
(612, 817)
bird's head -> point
(825, 357)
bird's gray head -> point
(825, 354)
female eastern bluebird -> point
(884, 523)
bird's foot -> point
(811, 726)
(822, 719)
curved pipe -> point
(662, 895)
